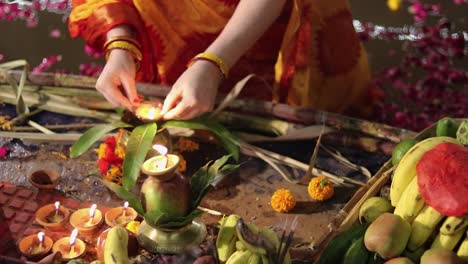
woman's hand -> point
(117, 80)
(194, 93)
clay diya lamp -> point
(87, 220)
(70, 247)
(163, 166)
(45, 179)
(149, 111)
(35, 247)
(120, 216)
(53, 217)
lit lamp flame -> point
(40, 236)
(57, 206)
(92, 210)
(161, 163)
(125, 208)
(73, 236)
(151, 113)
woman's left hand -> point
(194, 93)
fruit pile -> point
(244, 243)
(425, 218)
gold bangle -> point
(125, 45)
(213, 58)
(122, 38)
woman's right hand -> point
(117, 80)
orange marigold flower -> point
(320, 188)
(185, 144)
(182, 163)
(283, 200)
(114, 174)
(394, 5)
(120, 151)
(101, 151)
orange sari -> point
(311, 55)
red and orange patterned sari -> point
(311, 55)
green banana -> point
(410, 203)
(265, 259)
(239, 257)
(357, 253)
(115, 247)
(255, 259)
(447, 241)
(414, 255)
(253, 240)
(373, 207)
(406, 169)
(462, 251)
(226, 240)
(423, 226)
(453, 225)
(240, 246)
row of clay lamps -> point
(85, 222)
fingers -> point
(113, 94)
(130, 90)
(184, 111)
(172, 98)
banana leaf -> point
(138, 146)
(228, 140)
(91, 136)
(125, 195)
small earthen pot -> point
(80, 220)
(69, 252)
(116, 216)
(51, 220)
(45, 179)
(30, 247)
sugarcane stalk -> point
(69, 126)
(249, 122)
(67, 137)
(369, 144)
(310, 116)
(57, 107)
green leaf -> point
(125, 195)
(228, 140)
(158, 219)
(202, 181)
(138, 146)
(91, 136)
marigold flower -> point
(320, 188)
(133, 226)
(182, 163)
(283, 200)
(185, 144)
(394, 5)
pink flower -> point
(55, 33)
(3, 152)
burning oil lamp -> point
(35, 246)
(86, 220)
(162, 166)
(70, 247)
(120, 215)
(52, 216)
(149, 111)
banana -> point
(265, 259)
(373, 207)
(254, 241)
(239, 257)
(462, 251)
(447, 241)
(406, 169)
(410, 203)
(240, 246)
(226, 240)
(453, 225)
(255, 259)
(423, 226)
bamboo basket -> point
(350, 212)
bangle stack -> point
(125, 43)
(213, 58)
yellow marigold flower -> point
(320, 188)
(283, 200)
(133, 226)
(114, 174)
(120, 151)
(101, 151)
(394, 5)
